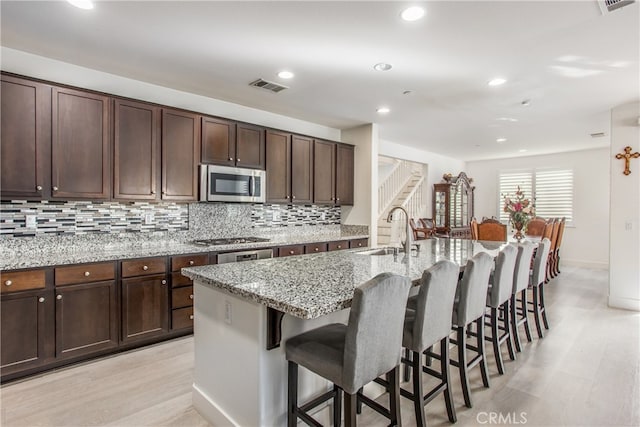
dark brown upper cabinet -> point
(80, 158)
(180, 155)
(26, 139)
(278, 147)
(232, 144)
(344, 174)
(136, 150)
(324, 172)
(289, 168)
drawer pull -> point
(41, 299)
(359, 244)
(59, 297)
(316, 249)
(291, 252)
(191, 296)
(39, 187)
(8, 283)
(230, 159)
(164, 282)
(191, 317)
(145, 267)
(339, 246)
(191, 262)
(87, 274)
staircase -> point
(404, 186)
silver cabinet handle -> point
(191, 262)
(41, 299)
(338, 199)
(145, 267)
(293, 197)
(55, 188)
(153, 192)
(8, 283)
(191, 317)
(291, 252)
(87, 274)
(339, 246)
(190, 296)
(230, 158)
(164, 282)
(59, 297)
(238, 159)
(316, 249)
(39, 187)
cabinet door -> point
(135, 150)
(344, 174)
(218, 141)
(278, 148)
(145, 311)
(180, 155)
(250, 150)
(86, 318)
(26, 139)
(324, 172)
(27, 333)
(80, 163)
(301, 169)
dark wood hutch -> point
(453, 206)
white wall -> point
(27, 64)
(624, 261)
(437, 165)
(587, 241)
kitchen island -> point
(240, 375)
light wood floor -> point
(586, 371)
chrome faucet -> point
(407, 242)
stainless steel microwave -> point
(228, 184)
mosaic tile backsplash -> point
(51, 218)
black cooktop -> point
(229, 241)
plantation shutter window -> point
(508, 184)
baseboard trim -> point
(209, 410)
(584, 264)
(624, 303)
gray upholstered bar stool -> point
(520, 283)
(538, 276)
(471, 299)
(498, 300)
(424, 327)
(353, 355)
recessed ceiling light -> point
(507, 119)
(382, 66)
(501, 140)
(82, 4)
(523, 150)
(383, 110)
(412, 13)
(286, 74)
(497, 81)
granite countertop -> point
(310, 286)
(65, 255)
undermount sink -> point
(380, 251)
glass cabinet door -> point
(440, 208)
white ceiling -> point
(572, 62)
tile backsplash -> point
(50, 218)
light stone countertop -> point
(310, 286)
(51, 255)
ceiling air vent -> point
(608, 6)
(273, 87)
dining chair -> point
(419, 233)
(473, 225)
(353, 355)
(494, 231)
(556, 254)
(468, 308)
(552, 250)
(428, 225)
(536, 226)
(537, 281)
(498, 300)
(520, 283)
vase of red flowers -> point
(520, 210)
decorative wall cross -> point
(627, 156)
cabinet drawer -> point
(182, 318)
(178, 262)
(336, 246)
(359, 243)
(291, 250)
(182, 297)
(140, 267)
(178, 279)
(22, 280)
(85, 273)
(315, 247)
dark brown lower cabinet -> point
(27, 332)
(145, 307)
(87, 318)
